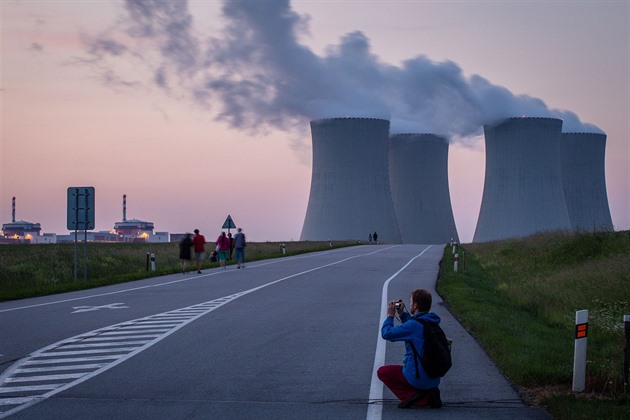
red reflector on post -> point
(581, 330)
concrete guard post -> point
(579, 358)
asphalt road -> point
(289, 338)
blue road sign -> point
(80, 208)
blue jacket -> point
(411, 330)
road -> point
(289, 338)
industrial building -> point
(20, 230)
(523, 191)
(584, 181)
(418, 173)
(350, 195)
(133, 228)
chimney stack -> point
(13, 210)
(124, 208)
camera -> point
(398, 305)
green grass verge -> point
(519, 298)
(36, 270)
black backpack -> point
(436, 359)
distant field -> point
(34, 270)
(519, 297)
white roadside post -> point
(152, 262)
(455, 262)
(626, 353)
(579, 357)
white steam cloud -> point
(259, 75)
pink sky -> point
(62, 126)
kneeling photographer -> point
(410, 382)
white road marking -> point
(375, 409)
(50, 354)
(80, 309)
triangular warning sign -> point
(229, 223)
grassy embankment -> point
(35, 270)
(519, 297)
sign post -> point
(626, 353)
(80, 217)
(579, 357)
(228, 224)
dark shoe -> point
(434, 398)
(413, 400)
(198, 272)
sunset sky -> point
(200, 109)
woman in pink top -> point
(223, 248)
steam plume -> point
(260, 75)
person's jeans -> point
(392, 376)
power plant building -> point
(523, 190)
(20, 229)
(133, 227)
(584, 181)
(350, 195)
(418, 173)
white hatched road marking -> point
(22, 397)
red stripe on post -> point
(581, 330)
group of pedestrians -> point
(225, 245)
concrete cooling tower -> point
(522, 192)
(418, 173)
(584, 181)
(350, 192)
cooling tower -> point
(522, 192)
(584, 181)
(418, 174)
(350, 194)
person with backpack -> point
(411, 383)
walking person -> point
(239, 246)
(375, 236)
(410, 382)
(231, 245)
(199, 242)
(370, 238)
(184, 251)
(223, 248)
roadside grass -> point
(36, 270)
(519, 298)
